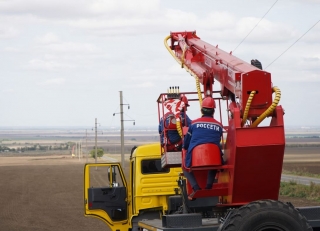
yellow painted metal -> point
(152, 190)
(98, 213)
(153, 149)
(145, 191)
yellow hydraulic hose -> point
(177, 59)
(179, 129)
(185, 67)
(189, 70)
(245, 114)
(270, 109)
(199, 91)
(183, 54)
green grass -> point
(292, 189)
(301, 172)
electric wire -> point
(125, 99)
(128, 108)
(293, 44)
(128, 115)
(146, 115)
(255, 25)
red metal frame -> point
(162, 110)
(236, 76)
(254, 155)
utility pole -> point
(122, 130)
(86, 148)
(96, 150)
(80, 149)
(76, 151)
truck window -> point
(105, 176)
(152, 166)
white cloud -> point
(140, 85)
(218, 20)
(77, 8)
(178, 18)
(106, 23)
(8, 90)
(46, 65)
(308, 1)
(106, 46)
(56, 81)
(265, 32)
(52, 54)
(48, 38)
(7, 32)
(124, 6)
(70, 47)
(11, 49)
(311, 63)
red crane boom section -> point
(237, 77)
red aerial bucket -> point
(206, 155)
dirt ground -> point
(305, 159)
(45, 193)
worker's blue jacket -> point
(202, 131)
(173, 135)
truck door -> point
(105, 192)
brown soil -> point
(43, 194)
(305, 159)
(46, 194)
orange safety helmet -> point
(208, 102)
(184, 99)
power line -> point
(128, 115)
(125, 100)
(144, 115)
(256, 25)
(293, 44)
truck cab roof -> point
(153, 149)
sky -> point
(64, 63)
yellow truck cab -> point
(146, 194)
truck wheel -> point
(266, 215)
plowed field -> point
(46, 194)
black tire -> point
(266, 215)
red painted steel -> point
(253, 155)
(257, 157)
(235, 75)
(206, 155)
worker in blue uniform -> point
(174, 140)
(202, 131)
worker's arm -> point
(188, 121)
(187, 139)
(160, 127)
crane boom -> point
(238, 78)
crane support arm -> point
(237, 77)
